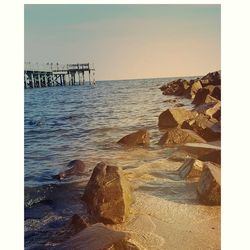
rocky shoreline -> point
(120, 218)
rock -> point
(108, 194)
(176, 87)
(74, 226)
(214, 110)
(214, 91)
(75, 167)
(95, 237)
(174, 117)
(211, 109)
(202, 108)
(141, 137)
(208, 129)
(209, 99)
(201, 151)
(200, 96)
(203, 96)
(213, 78)
(193, 89)
(180, 136)
(77, 223)
(191, 168)
(217, 115)
(208, 189)
(213, 156)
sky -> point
(126, 41)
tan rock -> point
(209, 186)
(176, 87)
(174, 117)
(200, 96)
(108, 194)
(207, 128)
(180, 136)
(191, 168)
(209, 99)
(141, 137)
(193, 89)
(214, 91)
(203, 96)
(213, 110)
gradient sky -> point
(126, 41)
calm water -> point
(83, 122)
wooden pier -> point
(51, 75)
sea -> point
(85, 122)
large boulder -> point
(180, 136)
(213, 78)
(193, 89)
(176, 87)
(209, 186)
(96, 237)
(108, 194)
(74, 168)
(207, 128)
(141, 137)
(174, 117)
(191, 168)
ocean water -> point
(85, 122)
